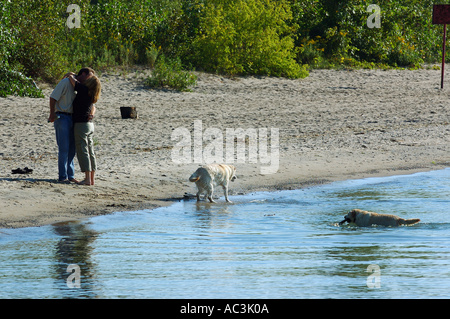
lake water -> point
(285, 244)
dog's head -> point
(233, 174)
(350, 217)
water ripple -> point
(266, 245)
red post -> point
(441, 15)
(443, 56)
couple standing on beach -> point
(72, 116)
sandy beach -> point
(333, 125)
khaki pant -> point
(84, 143)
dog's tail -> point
(194, 177)
(410, 221)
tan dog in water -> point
(208, 176)
(363, 218)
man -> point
(61, 115)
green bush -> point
(238, 37)
(169, 73)
(12, 82)
(176, 32)
(406, 37)
(247, 37)
(38, 51)
(7, 35)
(15, 83)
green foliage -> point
(12, 82)
(169, 73)
(15, 83)
(7, 36)
(113, 33)
(177, 31)
(336, 33)
(247, 37)
(37, 29)
(236, 37)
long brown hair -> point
(94, 88)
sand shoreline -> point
(333, 125)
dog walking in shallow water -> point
(208, 176)
(364, 218)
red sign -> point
(441, 14)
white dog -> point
(208, 176)
(364, 218)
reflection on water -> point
(266, 245)
(73, 248)
(34, 261)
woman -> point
(88, 94)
